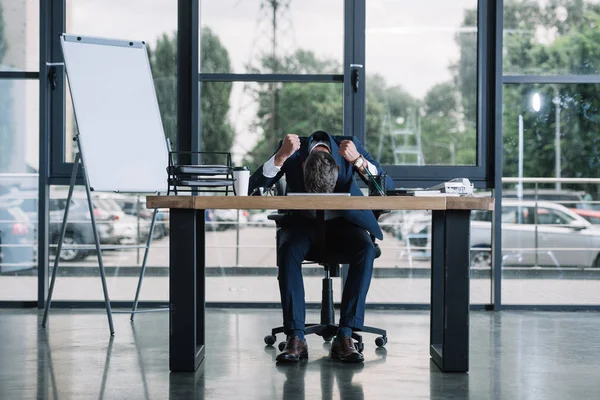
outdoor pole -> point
(520, 184)
(556, 101)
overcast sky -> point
(411, 43)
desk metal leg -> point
(449, 340)
(186, 285)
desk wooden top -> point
(321, 202)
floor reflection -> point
(48, 385)
(333, 375)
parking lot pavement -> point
(256, 248)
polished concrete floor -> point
(514, 355)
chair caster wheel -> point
(281, 346)
(327, 338)
(270, 340)
(381, 341)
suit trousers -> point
(336, 241)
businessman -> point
(322, 163)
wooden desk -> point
(449, 335)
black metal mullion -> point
(57, 95)
(348, 57)
(358, 92)
(188, 110)
(497, 157)
(19, 75)
(428, 175)
(44, 153)
(487, 78)
(325, 78)
(51, 110)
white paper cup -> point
(241, 177)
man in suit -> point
(322, 163)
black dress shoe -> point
(343, 349)
(295, 350)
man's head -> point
(320, 172)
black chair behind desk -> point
(327, 327)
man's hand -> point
(290, 144)
(348, 151)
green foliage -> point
(302, 108)
(299, 108)
(216, 131)
(3, 44)
(163, 62)
(6, 108)
(574, 49)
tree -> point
(3, 44)
(303, 108)
(555, 38)
(216, 131)
(163, 63)
(385, 105)
(574, 49)
(300, 108)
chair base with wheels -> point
(327, 328)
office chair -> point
(327, 327)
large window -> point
(255, 88)
(421, 61)
(19, 136)
(551, 127)
(122, 219)
(423, 104)
(300, 37)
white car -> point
(538, 233)
(261, 218)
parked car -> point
(127, 228)
(112, 227)
(261, 218)
(17, 239)
(227, 219)
(136, 207)
(538, 233)
(402, 223)
(574, 200)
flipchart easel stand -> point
(76, 164)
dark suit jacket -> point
(346, 183)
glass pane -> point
(403, 272)
(250, 119)
(422, 82)
(121, 220)
(550, 248)
(239, 117)
(551, 38)
(132, 19)
(275, 35)
(19, 136)
(247, 110)
(19, 35)
(156, 24)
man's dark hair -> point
(320, 172)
